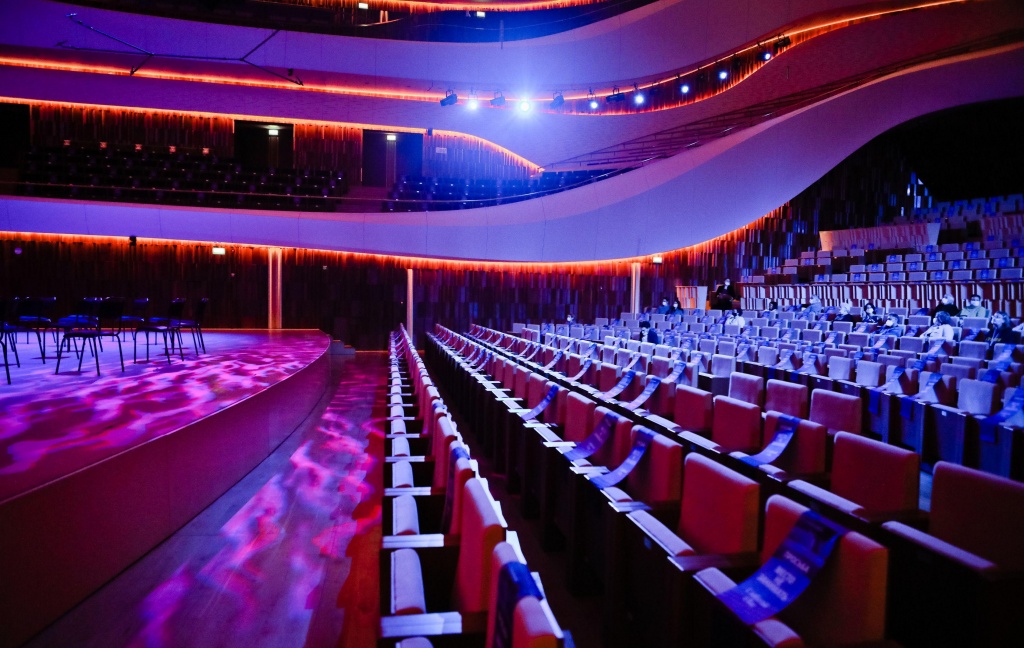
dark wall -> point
(16, 138)
(256, 148)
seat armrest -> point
(827, 497)
(941, 547)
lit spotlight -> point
(473, 103)
(766, 55)
(558, 100)
(638, 99)
(685, 88)
(723, 75)
(594, 105)
(524, 106)
(499, 99)
(450, 99)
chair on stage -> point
(195, 325)
(167, 327)
(106, 323)
(138, 311)
(34, 316)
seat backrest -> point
(805, 454)
(444, 437)
(481, 529)
(658, 478)
(614, 451)
(579, 412)
(976, 396)
(839, 368)
(978, 512)
(693, 409)
(878, 476)
(532, 625)
(736, 425)
(747, 388)
(837, 412)
(722, 365)
(767, 355)
(845, 603)
(870, 374)
(719, 513)
(788, 398)
(943, 392)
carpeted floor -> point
(287, 557)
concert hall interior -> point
(532, 323)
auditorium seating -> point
(588, 522)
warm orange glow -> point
(532, 166)
(798, 35)
(410, 6)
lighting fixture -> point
(524, 106)
(273, 132)
(558, 100)
(391, 137)
(723, 75)
(638, 97)
(219, 251)
(473, 103)
(480, 14)
(450, 98)
(499, 99)
(615, 96)
(363, 5)
(685, 88)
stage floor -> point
(52, 425)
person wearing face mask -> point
(736, 318)
(844, 313)
(724, 295)
(664, 309)
(891, 326)
(870, 315)
(974, 308)
(947, 305)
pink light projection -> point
(286, 554)
(56, 424)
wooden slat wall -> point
(72, 267)
(320, 146)
(447, 155)
(54, 123)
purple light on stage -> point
(17, 250)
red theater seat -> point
(736, 425)
(788, 398)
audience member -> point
(664, 309)
(844, 313)
(676, 308)
(947, 305)
(648, 333)
(771, 311)
(869, 315)
(974, 308)
(569, 318)
(735, 318)
(812, 310)
(941, 329)
(1000, 331)
(724, 295)
(891, 326)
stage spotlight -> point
(524, 106)
(615, 96)
(765, 55)
(450, 99)
(499, 99)
(782, 42)
(558, 100)
(685, 88)
(723, 75)
(473, 103)
(638, 99)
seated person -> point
(648, 333)
(844, 313)
(974, 308)
(869, 315)
(891, 326)
(771, 311)
(735, 318)
(941, 329)
(724, 295)
(569, 318)
(812, 310)
(1000, 332)
(947, 305)
(676, 308)
(664, 309)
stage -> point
(97, 470)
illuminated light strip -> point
(806, 33)
(532, 166)
(432, 7)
